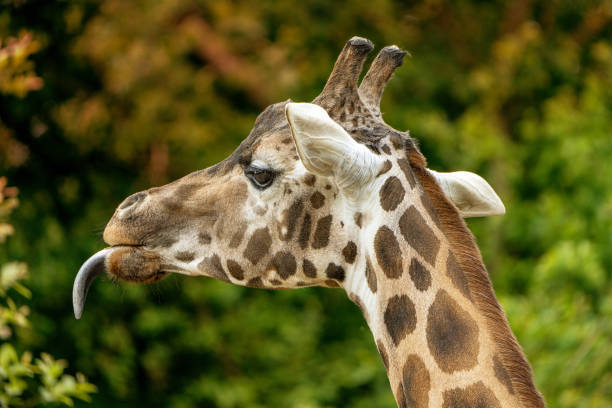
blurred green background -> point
(116, 96)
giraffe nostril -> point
(131, 200)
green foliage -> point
(17, 78)
(140, 93)
(25, 381)
(17, 75)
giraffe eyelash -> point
(260, 177)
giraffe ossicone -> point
(327, 194)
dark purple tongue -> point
(88, 272)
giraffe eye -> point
(261, 178)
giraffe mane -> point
(468, 256)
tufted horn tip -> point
(342, 82)
(361, 45)
(394, 53)
(383, 66)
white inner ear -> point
(472, 195)
(327, 149)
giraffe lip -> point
(131, 263)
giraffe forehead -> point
(277, 149)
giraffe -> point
(327, 194)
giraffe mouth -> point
(130, 263)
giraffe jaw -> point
(128, 263)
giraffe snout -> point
(127, 225)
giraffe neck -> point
(434, 345)
(439, 328)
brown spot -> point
(184, 256)
(255, 283)
(400, 317)
(284, 263)
(238, 235)
(415, 382)
(276, 282)
(301, 284)
(452, 334)
(430, 209)
(317, 200)
(407, 169)
(419, 235)
(385, 168)
(321, 234)
(370, 276)
(286, 140)
(399, 396)
(455, 273)
(258, 245)
(238, 191)
(383, 353)
(204, 238)
(350, 252)
(310, 180)
(235, 269)
(212, 266)
(220, 227)
(290, 220)
(357, 219)
(396, 141)
(386, 149)
(305, 231)
(161, 241)
(309, 269)
(476, 395)
(420, 275)
(391, 194)
(334, 271)
(388, 252)
(502, 374)
(328, 186)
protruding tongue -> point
(88, 272)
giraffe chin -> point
(127, 263)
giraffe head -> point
(295, 204)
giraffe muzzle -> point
(128, 263)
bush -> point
(26, 381)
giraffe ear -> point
(326, 149)
(472, 195)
